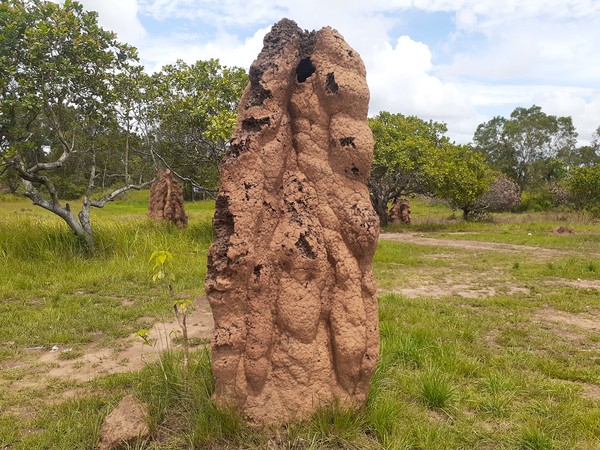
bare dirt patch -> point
(465, 287)
(591, 391)
(563, 230)
(128, 354)
(472, 245)
(583, 321)
(491, 339)
(578, 283)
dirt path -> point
(473, 245)
(126, 354)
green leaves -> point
(528, 145)
(57, 72)
(193, 112)
(162, 261)
(584, 184)
(458, 174)
(402, 146)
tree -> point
(58, 102)
(192, 114)
(584, 186)
(589, 155)
(458, 174)
(402, 145)
(528, 146)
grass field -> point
(490, 335)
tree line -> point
(531, 153)
(81, 118)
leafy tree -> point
(192, 114)
(460, 175)
(584, 185)
(589, 155)
(529, 146)
(57, 105)
(402, 145)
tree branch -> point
(33, 178)
(110, 197)
(209, 191)
(51, 165)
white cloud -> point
(400, 81)
(582, 104)
(228, 48)
(217, 12)
(501, 54)
(119, 16)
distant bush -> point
(560, 194)
(536, 200)
(584, 187)
(503, 195)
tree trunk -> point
(86, 225)
(380, 206)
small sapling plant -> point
(162, 273)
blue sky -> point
(457, 61)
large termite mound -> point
(289, 277)
(166, 200)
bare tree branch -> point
(109, 198)
(51, 165)
(209, 191)
(34, 178)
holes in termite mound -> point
(347, 142)
(304, 70)
(254, 124)
(331, 87)
(305, 248)
(355, 170)
(256, 271)
(237, 146)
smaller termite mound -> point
(166, 200)
(399, 212)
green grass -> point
(455, 372)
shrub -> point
(584, 186)
(537, 200)
(560, 194)
(503, 195)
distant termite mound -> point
(289, 276)
(399, 212)
(166, 200)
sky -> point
(461, 62)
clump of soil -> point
(125, 425)
(563, 230)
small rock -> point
(125, 425)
